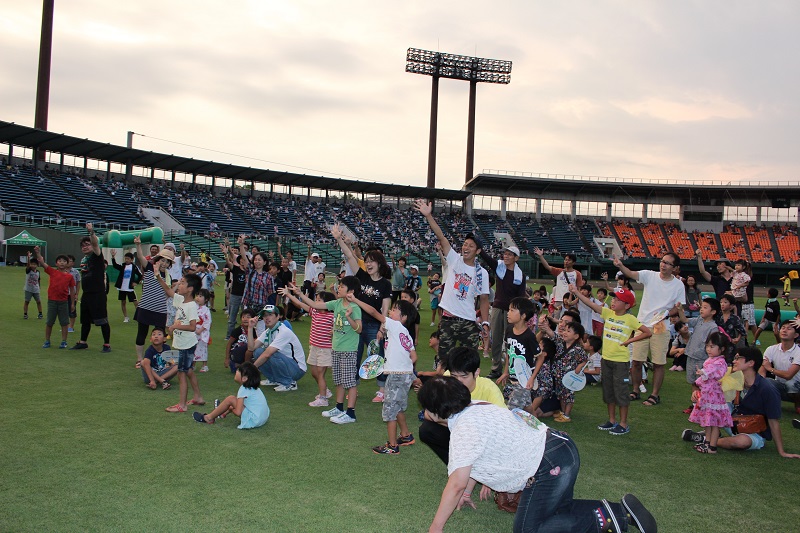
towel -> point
(501, 273)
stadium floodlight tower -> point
(455, 67)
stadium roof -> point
(11, 133)
(525, 184)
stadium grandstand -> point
(200, 203)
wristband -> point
(485, 323)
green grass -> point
(86, 446)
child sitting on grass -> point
(236, 351)
(154, 369)
(399, 369)
(249, 404)
(592, 345)
(203, 329)
(319, 340)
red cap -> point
(625, 295)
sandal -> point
(195, 402)
(138, 364)
(634, 396)
(652, 400)
(165, 385)
(704, 447)
(175, 409)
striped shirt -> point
(154, 298)
(321, 329)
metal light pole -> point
(43, 81)
(472, 69)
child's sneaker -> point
(386, 449)
(63, 345)
(758, 343)
(126, 320)
(378, 397)
(46, 344)
(332, 413)
(70, 330)
(25, 316)
(40, 316)
(106, 348)
(284, 388)
(408, 440)
(693, 436)
(562, 418)
(433, 324)
(204, 369)
(268, 383)
(343, 418)
(328, 393)
(619, 430)
(607, 426)
(319, 402)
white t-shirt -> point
(126, 279)
(462, 287)
(595, 360)
(783, 361)
(658, 297)
(286, 343)
(586, 315)
(185, 312)
(313, 270)
(597, 316)
(176, 270)
(398, 346)
(503, 450)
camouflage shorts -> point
(395, 395)
(455, 332)
(518, 396)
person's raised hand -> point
(423, 206)
(604, 276)
(137, 239)
(336, 231)
(538, 251)
(616, 260)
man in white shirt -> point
(783, 360)
(662, 290)
(466, 282)
(277, 352)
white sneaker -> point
(319, 402)
(433, 324)
(332, 413)
(268, 383)
(642, 388)
(126, 320)
(204, 369)
(343, 418)
(284, 388)
(328, 393)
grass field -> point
(87, 447)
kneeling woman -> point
(511, 453)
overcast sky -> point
(639, 89)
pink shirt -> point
(321, 329)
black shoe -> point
(493, 375)
(693, 436)
(638, 515)
(613, 524)
(796, 423)
(80, 346)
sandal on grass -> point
(138, 364)
(634, 396)
(195, 402)
(175, 409)
(704, 447)
(652, 400)
(165, 385)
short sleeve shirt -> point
(616, 330)
(398, 347)
(345, 338)
(463, 285)
(185, 312)
(285, 343)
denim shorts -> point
(186, 359)
(757, 441)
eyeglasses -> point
(737, 357)
(667, 263)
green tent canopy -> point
(25, 240)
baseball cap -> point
(170, 245)
(513, 249)
(414, 267)
(625, 295)
(315, 254)
(268, 310)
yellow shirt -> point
(616, 330)
(487, 391)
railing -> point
(640, 181)
(14, 218)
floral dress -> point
(567, 361)
(711, 410)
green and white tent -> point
(22, 244)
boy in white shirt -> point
(399, 367)
(593, 345)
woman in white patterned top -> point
(511, 451)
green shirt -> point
(345, 338)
